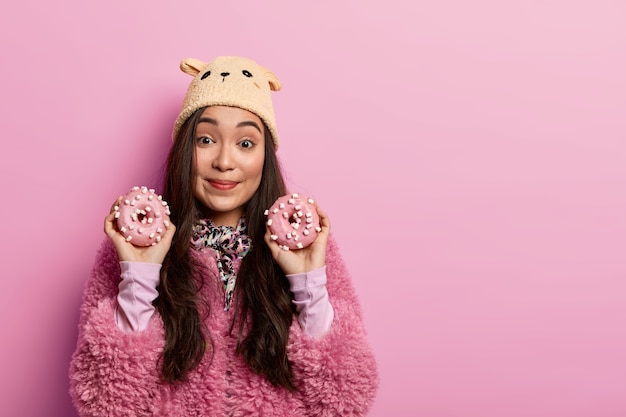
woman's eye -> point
(246, 143)
(205, 140)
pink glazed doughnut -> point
(142, 216)
(293, 221)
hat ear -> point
(192, 66)
(272, 79)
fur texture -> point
(113, 373)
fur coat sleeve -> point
(337, 374)
(107, 360)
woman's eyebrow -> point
(208, 120)
(250, 123)
(240, 124)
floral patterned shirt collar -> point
(229, 243)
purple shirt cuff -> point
(137, 290)
(315, 313)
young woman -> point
(217, 319)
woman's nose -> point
(224, 159)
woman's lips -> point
(223, 185)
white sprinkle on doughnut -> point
(281, 206)
(269, 222)
(152, 235)
(319, 229)
(129, 238)
(266, 212)
(285, 215)
(294, 195)
(299, 245)
(273, 237)
(117, 215)
(148, 209)
(138, 197)
(310, 201)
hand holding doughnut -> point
(127, 251)
(308, 251)
(142, 216)
(293, 221)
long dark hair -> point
(262, 298)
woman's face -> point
(230, 152)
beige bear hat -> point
(229, 81)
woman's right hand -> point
(126, 251)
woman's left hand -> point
(303, 260)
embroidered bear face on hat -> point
(230, 81)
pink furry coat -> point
(114, 373)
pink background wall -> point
(471, 156)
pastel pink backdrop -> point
(471, 156)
